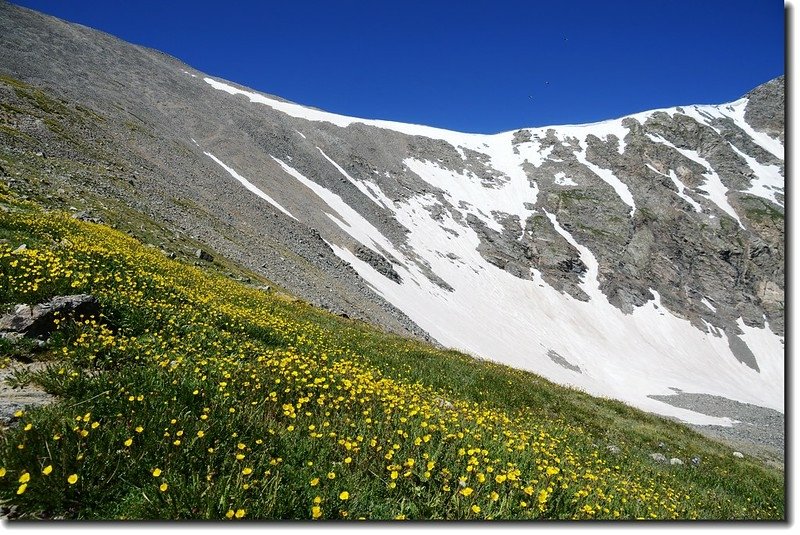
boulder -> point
(378, 262)
(87, 217)
(204, 255)
(36, 321)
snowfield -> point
(495, 315)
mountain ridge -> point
(243, 90)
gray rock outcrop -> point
(37, 321)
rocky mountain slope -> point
(640, 258)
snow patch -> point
(344, 216)
(380, 199)
(607, 176)
(311, 114)
(533, 153)
(717, 192)
(707, 303)
(736, 112)
(680, 186)
(768, 181)
(250, 186)
(702, 115)
(563, 180)
(602, 130)
(468, 188)
(589, 282)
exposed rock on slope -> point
(34, 321)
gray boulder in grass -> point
(35, 321)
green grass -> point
(187, 369)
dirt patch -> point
(14, 399)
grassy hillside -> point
(195, 396)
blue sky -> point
(477, 66)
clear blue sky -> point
(476, 66)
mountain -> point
(640, 258)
